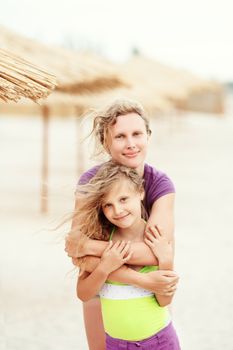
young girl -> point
(111, 207)
(122, 130)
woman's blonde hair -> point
(89, 216)
(104, 118)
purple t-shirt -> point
(157, 184)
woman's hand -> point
(115, 255)
(159, 244)
(74, 245)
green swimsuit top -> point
(129, 312)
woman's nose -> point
(130, 143)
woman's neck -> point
(140, 169)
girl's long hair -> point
(89, 217)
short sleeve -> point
(88, 175)
(157, 184)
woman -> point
(122, 130)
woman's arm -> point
(162, 214)
(163, 249)
(75, 248)
(141, 253)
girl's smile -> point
(122, 206)
(122, 217)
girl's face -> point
(127, 141)
(122, 204)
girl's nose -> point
(117, 210)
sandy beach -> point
(38, 306)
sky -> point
(196, 35)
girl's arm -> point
(165, 300)
(114, 256)
(89, 284)
(159, 282)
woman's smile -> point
(128, 141)
(131, 154)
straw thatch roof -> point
(19, 78)
(161, 89)
(91, 81)
(75, 72)
(172, 86)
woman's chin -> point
(133, 163)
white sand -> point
(39, 310)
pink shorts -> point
(166, 339)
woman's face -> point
(127, 141)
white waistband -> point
(120, 292)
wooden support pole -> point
(45, 160)
(80, 161)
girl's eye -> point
(107, 205)
(123, 199)
(137, 133)
(119, 136)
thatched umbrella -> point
(161, 89)
(19, 78)
(77, 74)
(157, 86)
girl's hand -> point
(115, 255)
(161, 282)
(160, 246)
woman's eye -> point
(123, 199)
(119, 136)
